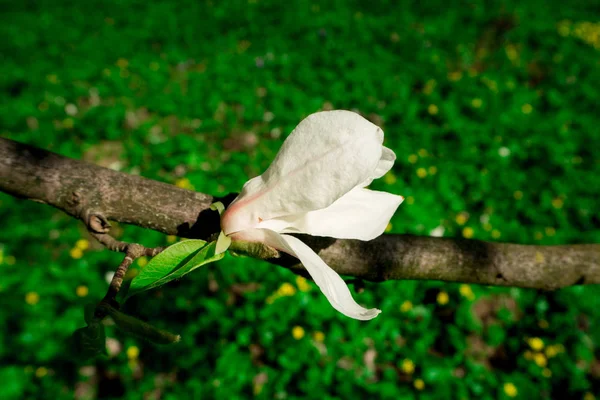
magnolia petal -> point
(223, 243)
(385, 164)
(360, 214)
(331, 284)
(328, 154)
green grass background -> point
(491, 108)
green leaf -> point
(174, 262)
(164, 263)
(206, 255)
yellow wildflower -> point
(406, 306)
(468, 232)
(171, 239)
(443, 298)
(390, 178)
(133, 352)
(540, 359)
(32, 298)
(286, 289)
(466, 291)
(122, 63)
(41, 372)
(536, 343)
(419, 384)
(462, 218)
(408, 367)
(76, 253)
(557, 202)
(552, 351)
(298, 332)
(510, 389)
(82, 244)
(302, 284)
(82, 291)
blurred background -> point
(490, 106)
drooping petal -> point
(330, 283)
(360, 214)
(328, 154)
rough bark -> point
(83, 190)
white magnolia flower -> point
(316, 185)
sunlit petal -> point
(360, 214)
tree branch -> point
(86, 191)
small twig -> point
(132, 252)
(134, 249)
(117, 281)
(99, 228)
